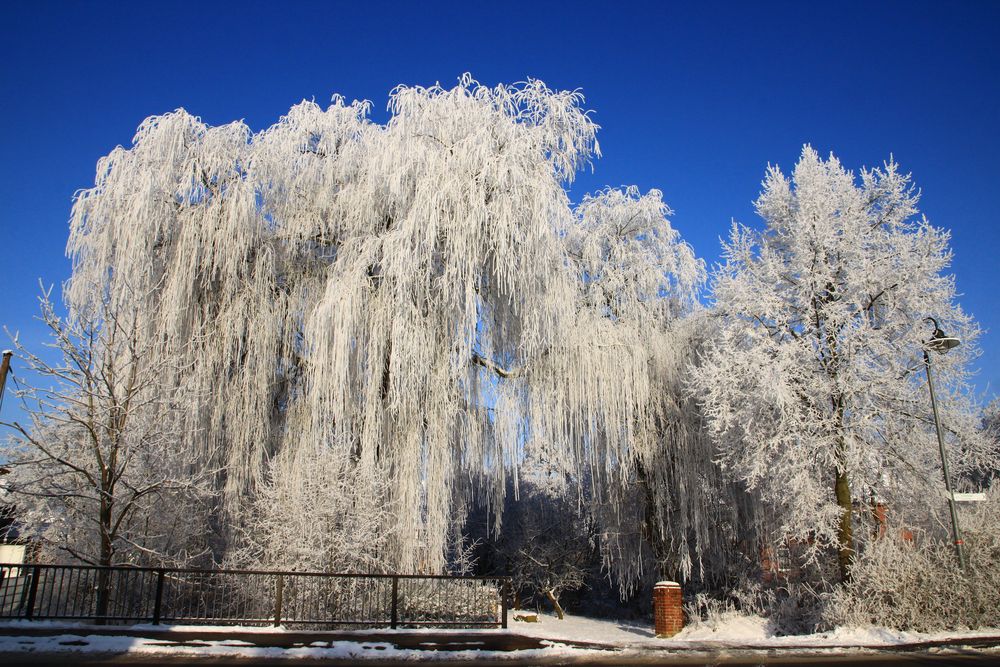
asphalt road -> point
(964, 652)
(707, 659)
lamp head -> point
(940, 341)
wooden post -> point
(157, 604)
(32, 592)
(394, 618)
(504, 594)
(279, 590)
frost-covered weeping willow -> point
(373, 316)
(680, 515)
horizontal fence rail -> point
(300, 600)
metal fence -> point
(127, 595)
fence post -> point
(504, 594)
(32, 592)
(279, 591)
(394, 618)
(158, 602)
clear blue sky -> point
(692, 100)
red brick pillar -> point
(668, 611)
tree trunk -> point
(842, 489)
(555, 603)
(651, 528)
(106, 556)
(845, 532)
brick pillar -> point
(668, 612)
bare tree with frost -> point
(990, 423)
(102, 456)
(814, 385)
(547, 543)
(399, 305)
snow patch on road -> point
(359, 650)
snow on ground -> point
(732, 630)
(583, 629)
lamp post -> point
(941, 343)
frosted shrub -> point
(797, 608)
(469, 600)
(919, 586)
(790, 608)
(705, 611)
(298, 519)
(546, 563)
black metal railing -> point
(128, 595)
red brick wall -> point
(668, 611)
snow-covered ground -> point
(734, 630)
(562, 638)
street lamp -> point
(941, 343)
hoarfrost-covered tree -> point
(665, 510)
(991, 420)
(407, 303)
(814, 385)
(990, 427)
(102, 457)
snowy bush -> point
(307, 517)
(449, 600)
(918, 585)
(790, 608)
(705, 611)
